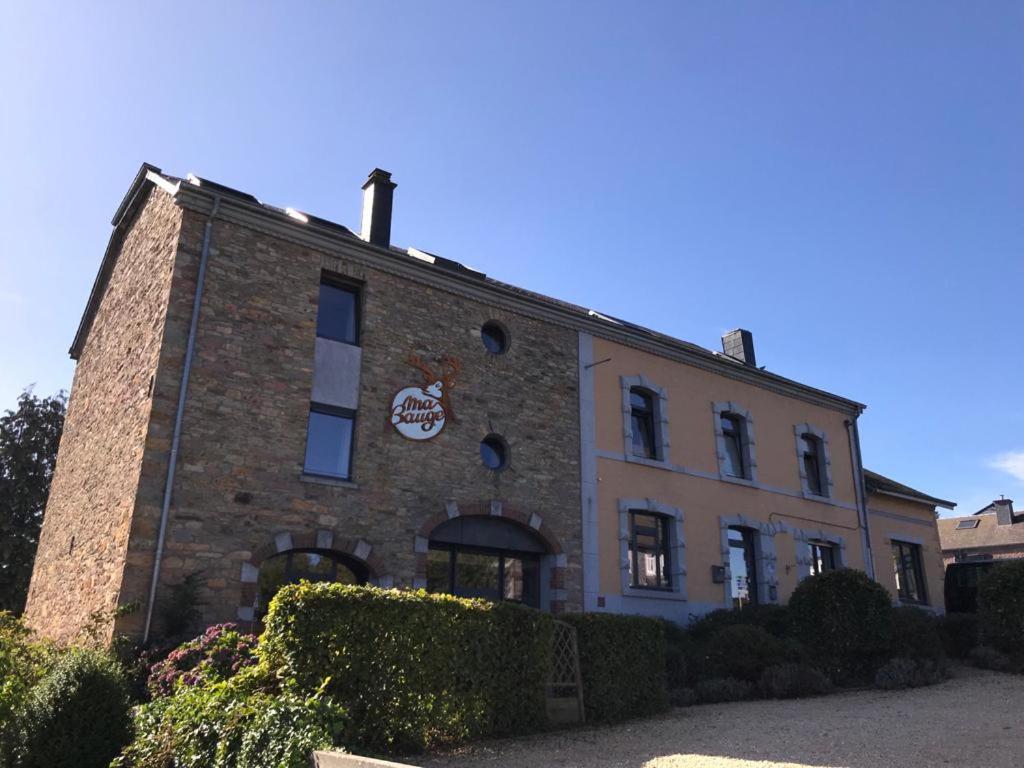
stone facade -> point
(240, 493)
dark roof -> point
(148, 175)
(877, 483)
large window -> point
(811, 455)
(823, 557)
(650, 564)
(337, 316)
(641, 403)
(329, 441)
(734, 461)
(297, 565)
(906, 559)
(742, 566)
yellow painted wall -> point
(691, 393)
(885, 528)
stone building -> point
(263, 396)
(995, 532)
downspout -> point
(179, 415)
(862, 498)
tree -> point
(29, 437)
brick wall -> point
(84, 537)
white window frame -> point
(660, 403)
(747, 439)
(826, 459)
(676, 548)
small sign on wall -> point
(420, 413)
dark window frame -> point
(737, 434)
(493, 329)
(750, 557)
(291, 575)
(453, 551)
(343, 413)
(646, 415)
(828, 551)
(901, 550)
(357, 290)
(663, 546)
(817, 483)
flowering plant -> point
(218, 654)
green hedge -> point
(622, 662)
(1001, 607)
(412, 670)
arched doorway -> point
(295, 565)
(490, 558)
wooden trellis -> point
(565, 687)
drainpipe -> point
(862, 497)
(179, 415)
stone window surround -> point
(660, 401)
(803, 537)
(749, 457)
(764, 557)
(798, 431)
(677, 550)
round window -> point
(494, 337)
(494, 452)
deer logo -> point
(420, 413)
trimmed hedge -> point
(915, 635)
(622, 663)
(1001, 607)
(741, 652)
(845, 620)
(413, 670)
(959, 633)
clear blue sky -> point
(845, 179)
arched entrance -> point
(294, 565)
(488, 557)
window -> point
(494, 452)
(337, 316)
(742, 566)
(641, 404)
(306, 565)
(649, 559)
(734, 462)
(494, 337)
(810, 449)
(906, 560)
(329, 441)
(823, 557)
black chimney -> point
(378, 195)
(739, 345)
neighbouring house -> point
(263, 396)
(995, 532)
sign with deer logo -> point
(420, 413)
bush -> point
(414, 670)
(739, 651)
(845, 620)
(218, 654)
(679, 648)
(682, 697)
(773, 619)
(959, 633)
(622, 663)
(23, 662)
(720, 689)
(791, 681)
(232, 725)
(989, 658)
(915, 634)
(1001, 606)
(77, 716)
(908, 673)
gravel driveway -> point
(975, 719)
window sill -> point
(656, 594)
(817, 497)
(749, 482)
(656, 463)
(337, 482)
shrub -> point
(720, 689)
(908, 673)
(412, 669)
(773, 619)
(23, 662)
(959, 633)
(845, 620)
(622, 663)
(229, 724)
(989, 658)
(739, 651)
(1001, 606)
(915, 634)
(679, 648)
(682, 697)
(77, 716)
(219, 653)
(791, 681)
